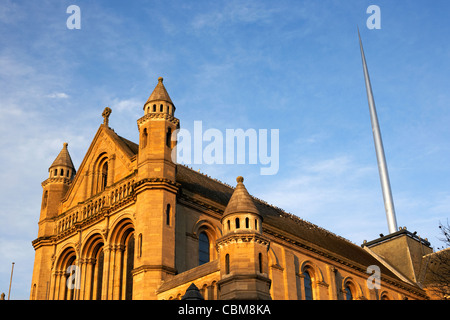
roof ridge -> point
(209, 177)
(282, 212)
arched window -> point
(247, 223)
(228, 225)
(237, 223)
(227, 263)
(161, 108)
(203, 248)
(144, 138)
(308, 286)
(348, 293)
(154, 108)
(104, 176)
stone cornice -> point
(56, 180)
(156, 183)
(242, 237)
(158, 115)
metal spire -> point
(382, 167)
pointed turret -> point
(240, 201)
(243, 249)
(156, 127)
(63, 165)
(61, 174)
(241, 214)
(156, 193)
(159, 101)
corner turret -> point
(61, 174)
(243, 250)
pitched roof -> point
(159, 93)
(129, 147)
(63, 159)
(305, 232)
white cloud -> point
(127, 105)
(58, 95)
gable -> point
(118, 153)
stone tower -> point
(61, 174)
(243, 250)
(156, 192)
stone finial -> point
(240, 179)
(106, 113)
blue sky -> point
(288, 65)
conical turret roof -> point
(240, 201)
(159, 93)
(63, 159)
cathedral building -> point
(130, 223)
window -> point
(97, 275)
(154, 108)
(348, 293)
(203, 248)
(168, 215)
(228, 225)
(256, 224)
(308, 286)
(128, 266)
(247, 223)
(237, 223)
(104, 176)
(169, 137)
(44, 201)
(140, 245)
(260, 262)
(161, 108)
(227, 264)
(144, 138)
